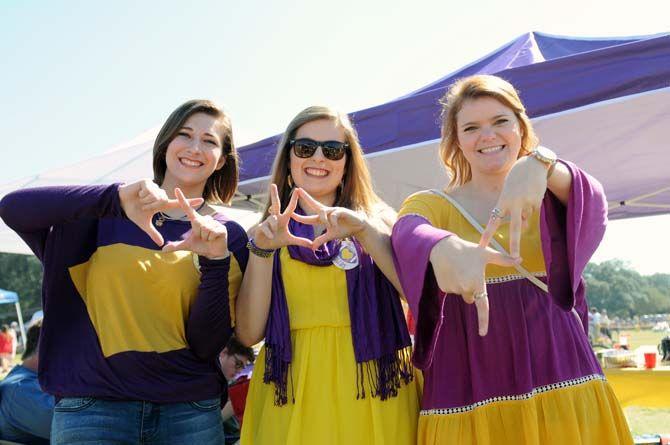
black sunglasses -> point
(306, 147)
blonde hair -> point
(474, 87)
(356, 192)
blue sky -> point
(79, 77)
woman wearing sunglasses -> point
(529, 375)
(136, 284)
(319, 289)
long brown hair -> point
(221, 185)
(474, 87)
(356, 192)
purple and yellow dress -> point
(533, 378)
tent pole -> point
(21, 325)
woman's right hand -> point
(141, 200)
(273, 233)
(460, 267)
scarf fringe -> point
(385, 375)
(277, 372)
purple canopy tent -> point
(602, 103)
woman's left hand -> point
(339, 222)
(522, 194)
(207, 237)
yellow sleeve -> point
(425, 204)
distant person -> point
(16, 332)
(25, 410)
(605, 323)
(6, 348)
(234, 358)
(597, 322)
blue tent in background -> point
(603, 103)
(7, 296)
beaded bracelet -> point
(263, 253)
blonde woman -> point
(515, 366)
(319, 288)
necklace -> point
(162, 217)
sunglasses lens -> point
(334, 150)
(304, 148)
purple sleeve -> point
(209, 326)
(413, 239)
(32, 212)
(570, 236)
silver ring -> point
(480, 295)
(496, 213)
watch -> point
(545, 156)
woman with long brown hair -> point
(319, 289)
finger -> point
(306, 219)
(273, 223)
(266, 231)
(192, 202)
(215, 235)
(173, 246)
(321, 240)
(515, 232)
(525, 220)
(143, 191)
(293, 203)
(184, 205)
(482, 306)
(275, 206)
(155, 205)
(468, 297)
(298, 241)
(323, 218)
(148, 200)
(489, 231)
(311, 202)
(145, 196)
(153, 233)
(333, 218)
(204, 233)
(215, 230)
(495, 257)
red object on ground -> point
(237, 393)
(649, 360)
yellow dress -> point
(323, 375)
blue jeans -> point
(90, 421)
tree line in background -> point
(21, 274)
(611, 285)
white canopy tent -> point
(602, 103)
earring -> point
(289, 180)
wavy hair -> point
(474, 87)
